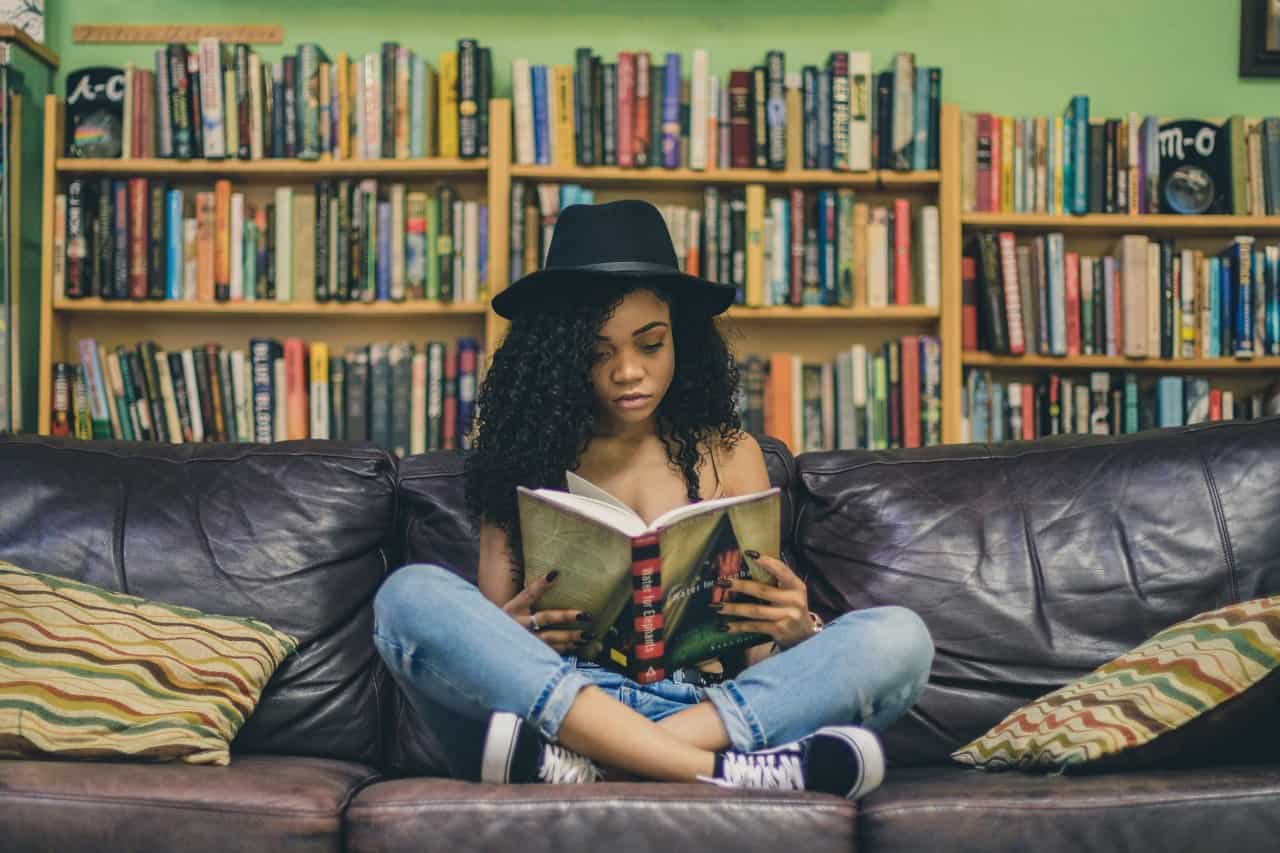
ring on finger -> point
(533, 623)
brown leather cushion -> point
(927, 809)
(259, 802)
(436, 814)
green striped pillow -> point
(88, 673)
(1183, 696)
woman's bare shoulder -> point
(740, 463)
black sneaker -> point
(517, 754)
(847, 761)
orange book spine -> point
(1028, 411)
(204, 246)
(910, 391)
(297, 398)
(222, 240)
(901, 251)
(139, 228)
(1073, 302)
(649, 647)
(779, 401)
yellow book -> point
(344, 106)
(1006, 164)
(565, 155)
(319, 390)
(755, 244)
(448, 104)
(231, 113)
(861, 214)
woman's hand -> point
(550, 626)
(783, 613)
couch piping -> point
(1224, 536)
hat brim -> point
(699, 294)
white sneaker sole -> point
(500, 748)
(866, 746)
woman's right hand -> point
(556, 628)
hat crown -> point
(630, 230)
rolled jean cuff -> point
(740, 722)
(555, 699)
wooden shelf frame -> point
(1111, 362)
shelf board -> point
(898, 313)
(346, 310)
(1103, 362)
(271, 167)
(1121, 223)
(793, 177)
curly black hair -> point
(535, 408)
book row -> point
(1099, 403)
(342, 240)
(875, 398)
(1146, 299)
(638, 110)
(407, 398)
(224, 101)
(1134, 164)
(794, 247)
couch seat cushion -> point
(438, 814)
(258, 802)
(956, 809)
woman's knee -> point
(896, 638)
(403, 600)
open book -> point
(647, 586)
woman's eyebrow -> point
(640, 331)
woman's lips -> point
(631, 401)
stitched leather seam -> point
(436, 804)
(117, 539)
(184, 806)
(1058, 806)
(1224, 537)
(310, 453)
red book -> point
(969, 290)
(449, 433)
(296, 389)
(1073, 303)
(1012, 293)
(649, 648)
(741, 141)
(640, 131)
(983, 166)
(139, 231)
(993, 185)
(1117, 306)
(1215, 404)
(910, 391)
(901, 251)
(797, 246)
(1028, 411)
(626, 109)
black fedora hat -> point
(593, 243)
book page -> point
(622, 519)
(584, 487)
(673, 516)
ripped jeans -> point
(458, 657)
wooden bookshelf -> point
(346, 310)
(1113, 223)
(823, 314)
(270, 168)
(703, 177)
(1107, 362)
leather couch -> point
(1032, 563)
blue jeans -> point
(458, 657)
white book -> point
(1228, 405)
(418, 403)
(279, 403)
(284, 244)
(1151, 317)
(237, 247)
(930, 248)
(397, 242)
(797, 400)
(241, 394)
(193, 396)
(213, 134)
(1057, 292)
(373, 84)
(877, 261)
(859, 110)
(255, 106)
(713, 121)
(522, 112)
(471, 260)
(698, 110)
(904, 70)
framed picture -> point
(1260, 38)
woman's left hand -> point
(783, 613)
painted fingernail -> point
(724, 583)
(552, 575)
(755, 555)
(587, 635)
(716, 605)
(584, 616)
(722, 628)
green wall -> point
(1011, 56)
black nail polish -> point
(722, 628)
(587, 635)
(755, 555)
(724, 583)
(584, 616)
(715, 605)
(552, 575)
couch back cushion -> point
(434, 528)
(293, 534)
(1034, 563)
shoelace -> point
(561, 766)
(770, 771)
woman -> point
(613, 367)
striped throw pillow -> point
(1185, 692)
(88, 673)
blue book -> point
(1169, 409)
(173, 285)
(484, 244)
(782, 286)
(1272, 267)
(1215, 309)
(467, 351)
(920, 139)
(1131, 403)
(997, 413)
(541, 143)
(671, 113)
(1068, 161)
(383, 258)
(1080, 126)
(1226, 303)
(262, 355)
(1243, 268)
(824, 118)
(981, 412)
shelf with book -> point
(1104, 362)
(1120, 223)
(879, 179)
(229, 310)
(232, 168)
(826, 313)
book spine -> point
(468, 99)
(213, 134)
(648, 647)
